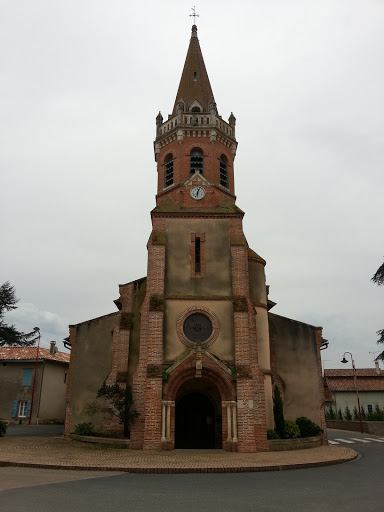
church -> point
(196, 339)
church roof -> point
(194, 82)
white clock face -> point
(197, 192)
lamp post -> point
(37, 330)
(355, 384)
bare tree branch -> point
(378, 277)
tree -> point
(119, 404)
(330, 413)
(378, 279)
(278, 412)
(9, 335)
(347, 414)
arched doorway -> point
(198, 415)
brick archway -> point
(185, 381)
(211, 371)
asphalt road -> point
(355, 486)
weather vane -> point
(194, 15)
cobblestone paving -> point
(64, 453)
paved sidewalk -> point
(64, 453)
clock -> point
(197, 193)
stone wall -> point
(369, 427)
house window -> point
(196, 161)
(168, 176)
(197, 255)
(65, 377)
(223, 171)
(27, 377)
(370, 409)
(23, 409)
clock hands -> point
(197, 193)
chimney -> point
(377, 368)
(53, 349)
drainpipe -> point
(41, 389)
(37, 330)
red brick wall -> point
(147, 388)
(250, 382)
(181, 162)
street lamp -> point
(37, 330)
(355, 383)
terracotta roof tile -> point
(342, 380)
(28, 353)
(348, 372)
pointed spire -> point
(194, 83)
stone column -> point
(163, 438)
(229, 423)
(166, 421)
(231, 407)
(234, 414)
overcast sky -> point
(81, 83)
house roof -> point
(367, 379)
(348, 372)
(29, 353)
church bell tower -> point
(203, 378)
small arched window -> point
(223, 171)
(195, 109)
(168, 176)
(196, 161)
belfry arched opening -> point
(198, 421)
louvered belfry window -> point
(223, 171)
(196, 161)
(168, 177)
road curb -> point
(179, 470)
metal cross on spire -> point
(194, 15)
